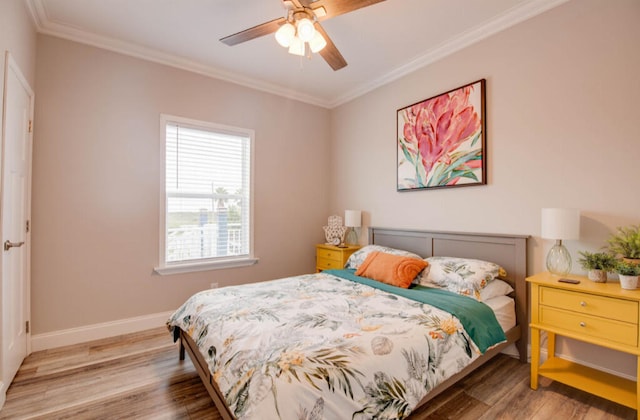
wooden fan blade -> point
(330, 53)
(338, 7)
(255, 32)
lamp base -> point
(352, 237)
(559, 259)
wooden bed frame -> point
(510, 251)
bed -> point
(234, 378)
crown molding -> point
(501, 22)
(46, 26)
(37, 12)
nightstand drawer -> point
(328, 264)
(328, 254)
(611, 330)
(584, 303)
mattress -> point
(505, 309)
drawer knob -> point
(583, 324)
(583, 303)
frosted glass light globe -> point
(317, 43)
(285, 34)
(305, 30)
(296, 47)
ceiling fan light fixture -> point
(305, 16)
(297, 46)
(285, 34)
(317, 43)
(305, 29)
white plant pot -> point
(628, 282)
(599, 276)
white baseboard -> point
(97, 331)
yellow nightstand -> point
(599, 313)
(332, 257)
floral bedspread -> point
(319, 346)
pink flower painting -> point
(441, 140)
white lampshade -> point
(560, 223)
(285, 34)
(296, 47)
(317, 43)
(353, 218)
(305, 29)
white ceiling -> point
(381, 42)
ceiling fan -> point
(301, 28)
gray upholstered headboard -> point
(510, 251)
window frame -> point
(218, 263)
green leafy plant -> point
(627, 269)
(596, 261)
(625, 242)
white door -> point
(17, 120)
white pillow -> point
(494, 289)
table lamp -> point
(352, 220)
(560, 224)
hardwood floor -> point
(139, 376)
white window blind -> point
(207, 190)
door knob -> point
(8, 245)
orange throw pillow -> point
(391, 269)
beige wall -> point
(563, 120)
(96, 183)
(18, 36)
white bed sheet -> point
(505, 309)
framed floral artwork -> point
(441, 140)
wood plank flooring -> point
(139, 376)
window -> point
(206, 219)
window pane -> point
(207, 194)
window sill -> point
(205, 266)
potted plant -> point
(626, 243)
(597, 265)
(628, 273)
